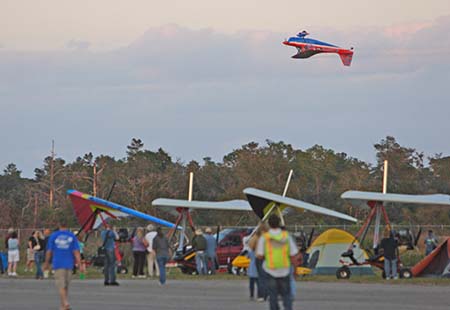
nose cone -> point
(286, 42)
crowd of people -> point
(151, 247)
(271, 250)
(34, 252)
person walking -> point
(109, 236)
(38, 244)
(64, 253)
(390, 252)
(199, 246)
(13, 254)
(139, 248)
(278, 250)
(211, 255)
(431, 242)
(161, 247)
(152, 265)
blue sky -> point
(201, 91)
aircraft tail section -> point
(346, 58)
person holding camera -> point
(38, 246)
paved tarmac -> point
(23, 294)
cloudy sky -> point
(201, 78)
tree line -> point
(321, 175)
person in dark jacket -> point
(161, 247)
(390, 252)
(199, 245)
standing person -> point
(38, 244)
(252, 271)
(199, 246)
(10, 231)
(211, 247)
(431, 242)
(390, 252)
(2, 266)
(30, 254)
(47, 233)
(152, 265)
(139, 247)
(82, 266)
(64, 252)
(161, 247)
(278, 250)
(13, 254)
(262, 277)
(109, 236)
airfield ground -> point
(23, 294)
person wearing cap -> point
(278, 250)
(199, 246)
(211, 246)
(152, 265)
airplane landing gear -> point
(343, 273)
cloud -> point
(78, 44)
(175, 54)
(201, 92)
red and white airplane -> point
(309, 47)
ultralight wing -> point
(92, 211)
(231, 205)
(262, 202)
(359, 198)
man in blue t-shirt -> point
(64, 252)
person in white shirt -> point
(278, 250)
(151, 255)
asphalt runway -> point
(23, 294)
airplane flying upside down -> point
(309, 47)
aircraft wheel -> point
(122, 270)
(405, 273)
(238, 271)
(343, 273)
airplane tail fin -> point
(346, 58)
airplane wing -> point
(92, 211)
(231, 205)
(358, 198)
(262, 202)
(305, 54)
